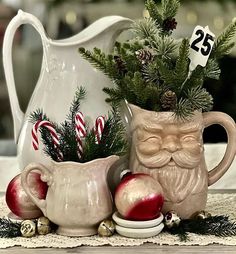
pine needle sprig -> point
(170, 8)
(80, 94)
(182, 63)
(184, 109)
(212, 70)
(220, 226)
(200, 99)
(102, 62)
(145, 28)
(164, 46)
(9, 229)
(154, 12)
(223, 43)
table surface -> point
(143, 249)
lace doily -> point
(218, 204)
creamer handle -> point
(46, 176)
(20, 19)
(229, 125)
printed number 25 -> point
(206, 46)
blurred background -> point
(64, 18)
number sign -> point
(201, 44)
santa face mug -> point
(171, 150)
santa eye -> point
(188, 138)
(153, 140)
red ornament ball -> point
(19, 202)
(139, 197)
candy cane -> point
(80, 132)
(51, 129)
(99, 127)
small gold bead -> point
(106, 228)
(28, 228)
(43, 226)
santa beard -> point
(187, 175)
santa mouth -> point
(171, 162)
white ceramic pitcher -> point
(62, 71)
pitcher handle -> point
(20, 19)
(46, 176)
(228, 124)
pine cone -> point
(120, 64)
(168, 100)
(144, 56)
(169, 24)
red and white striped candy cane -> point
(99, 127)
(51, 129)
(80, 132)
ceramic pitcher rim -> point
(85, 163)
(86, 34)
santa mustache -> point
(183, 159)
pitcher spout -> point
(110, 27)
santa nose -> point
(171, 144)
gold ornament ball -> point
(201, 215)
(43, 225)
(172, 219)
(28, 228)
(106, 228)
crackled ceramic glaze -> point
(63, 70)
(172, 152)
(78, 198)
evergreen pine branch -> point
(150, 73)
(200, 99)
(145, 28)
(102, 62)
(152, 93)
(169, 8)
(223, 44)
(113, 137)
(212, 70)
(183, 109)
(164, 46)
(80, 94)
(166, 73)
(114, 94)
(182, 63)
(9, 229)
(216, 225)
(112, 142)
(154, 12)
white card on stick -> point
(201, 44)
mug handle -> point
(210, 118)
(46, 176)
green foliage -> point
(113, 141)
(216, 225)
(9, 229)
(224, 44)
(167, 10)
(142, 80)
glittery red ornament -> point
(139, 197)
(19, 202)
